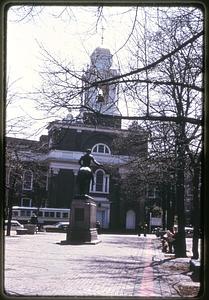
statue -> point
(85, 174)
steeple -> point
(100, 69)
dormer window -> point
(101, 148)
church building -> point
(96, 127)
(44, 173)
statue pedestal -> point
(82, 228)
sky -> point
(70, 34)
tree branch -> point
(157, 118)
(152, 65)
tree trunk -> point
(170, 214)
(180, 250)
(173, 205)
(163, 206)
(9, 217)
(196, 211)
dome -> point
(101, 58)
(101, 51)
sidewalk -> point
(121, 265)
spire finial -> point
(102, 37)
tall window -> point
(101, 182)
(101, 148)
(28, 180)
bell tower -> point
(101, 98)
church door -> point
(130, 219)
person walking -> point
(145, 229)
(140, 229)
(34, 221)
(170, 240)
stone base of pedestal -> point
(83, 235)
(76, 242)
(82, 222)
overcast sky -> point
(70, 34)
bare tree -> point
(165, 83)
(13, 183)
(183, 66)
(22, 156)
(26, 13)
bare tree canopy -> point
(137, 58)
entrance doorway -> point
(101, 218)
(130, 219)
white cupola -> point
(101, 97)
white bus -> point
(46, 215)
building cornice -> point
(84, 127)
(74, 156)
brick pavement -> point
(121, 265)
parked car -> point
(58, 227)
(14, 225)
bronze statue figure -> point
(85, 174)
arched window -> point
(101, 148)
(28, 180)
(101, 181)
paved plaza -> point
(121, 265)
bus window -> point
(46, 213)
(40, 214)
(58, 214)
(15, 213)
(22, 213)
(51, 214)
(28, 213)
(65, 215)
